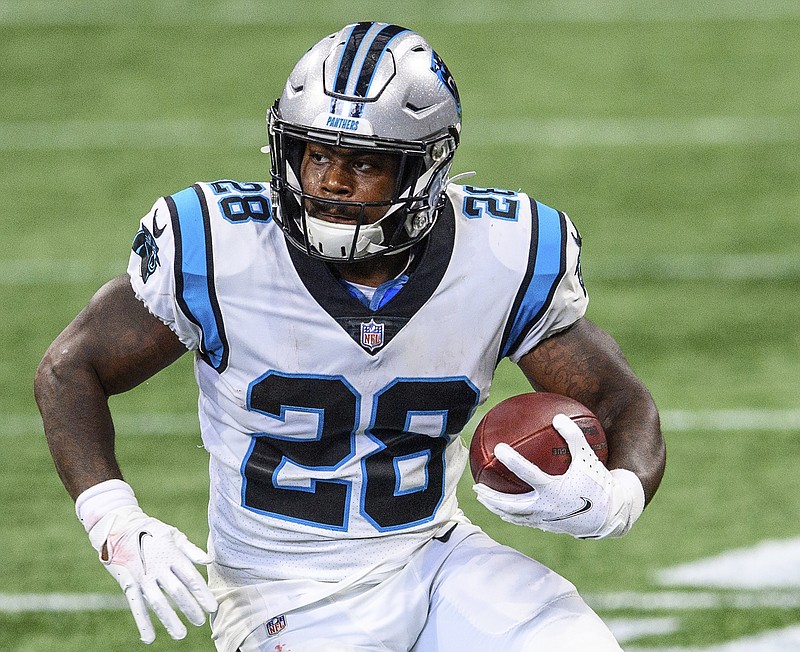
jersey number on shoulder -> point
(499, 204)
(242, 202)
(293, 476)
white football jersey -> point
(333, 430)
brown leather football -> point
(525, 422)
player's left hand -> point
(587, 502)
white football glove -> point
(587, 502)
(149, 559)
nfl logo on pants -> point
(276, 625)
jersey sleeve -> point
(152, 273)
(559, 261)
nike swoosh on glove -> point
(586, 502)
(151, 561)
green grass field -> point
(668, 131)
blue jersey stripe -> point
(548, 259)
(195, 275)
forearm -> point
(586, 364)
(631, 422)
(77, 421)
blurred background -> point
(668, 132)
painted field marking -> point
(768, 559)
(701, 267)
(169, 133)
(157, 133)
(772, 564)
(740, 420)
(626, 132)
(27, 272)
(15, 603)
(629, 629)
(126, 424)
(781, 640)
(766, 575)
(697, 267)
(694, 600)
(655, 601)
(235, 12)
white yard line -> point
(25, 272)
(747, 419)
(739, 420)
(772, 564)
(697, 267)
(780, 640)
(21, 13)
(626, 132)
(157, 133)
(625, 629)
(656, 601)
(629, 629)
(126, 424)
(60, 602)
(694, 600)
(169, 133)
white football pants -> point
(462, 593)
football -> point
(525, 422)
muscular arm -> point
(113, 345)
(586, 364)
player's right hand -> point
(152, 561)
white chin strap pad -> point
(335, 240)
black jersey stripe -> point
(212, 291)
(547, 264)
(178, 260)
(526, 280)
(194, 273)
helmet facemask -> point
(409, 214)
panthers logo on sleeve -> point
(144, 245)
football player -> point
(346, 320)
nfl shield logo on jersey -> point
(371, 335)
(276, 625)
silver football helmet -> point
(370, 86)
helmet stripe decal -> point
(348, 55)
(376, 50)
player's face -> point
(340, 173)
